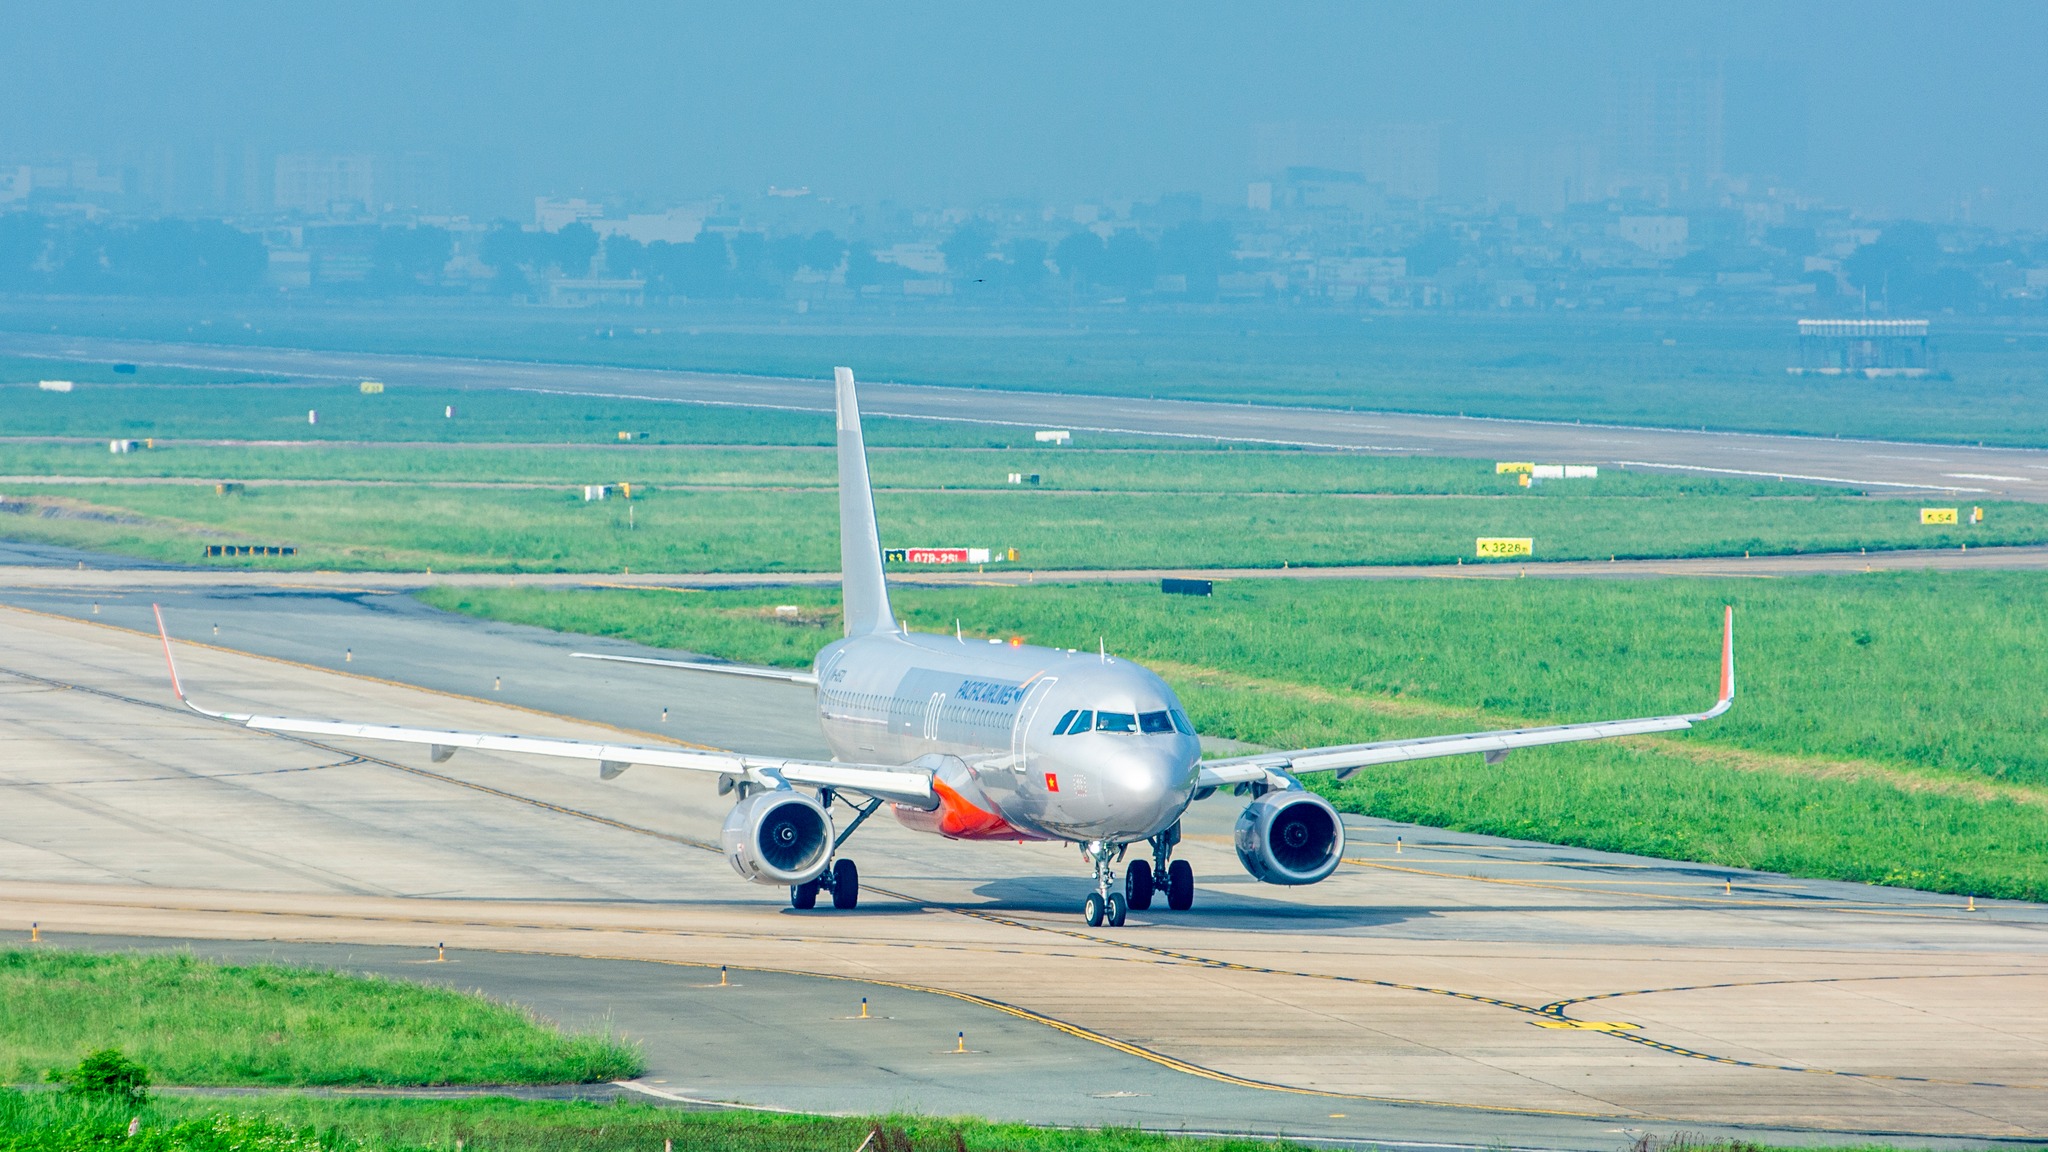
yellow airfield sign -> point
(1503, 467)
(1937, 515)
(1506, 546)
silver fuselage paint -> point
(983, 714)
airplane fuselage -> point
(1026, 742)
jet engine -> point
(777, 837)
(1289, 837)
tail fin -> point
(864, 591)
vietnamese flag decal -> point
(1052, 782)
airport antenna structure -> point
(993, 741)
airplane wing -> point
(1348, 758)
(752, 670)
(901, 784)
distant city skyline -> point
(1892, 109)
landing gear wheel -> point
(846, 885)
(1138, 885)
(1180, 886)
(1118, 909)
(804, 895)
(1092, 909)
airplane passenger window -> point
(1115, 722)
(1180, 721)
(1060, 729)
(1154, 722)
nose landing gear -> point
(1104, 906)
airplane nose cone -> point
(1148, 787)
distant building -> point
(1868, 348)
(590, 293)
(16, 182)
(322, 183)
(1657, 235)
(676, 226)
(553, 214)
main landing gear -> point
(842, 880)
(1143, 880)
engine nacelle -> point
(1289, 837)
(777, 837)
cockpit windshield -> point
(1079, 720)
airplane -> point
(992, 741)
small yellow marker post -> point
(1728, 886)
(348, 655)
(1973, 905)
(35, 933)
(863, 1007)
(497, 683)
(963, 1043)
(721, 976)
(1397, 845)
(95, 607)
(441, 953)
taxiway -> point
(1440, 989)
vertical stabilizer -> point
(863, 591)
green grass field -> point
(772, 530)
(1670, 371)
(49, 1123)
(1075, 469)
(192, 1022)
(1887, 729)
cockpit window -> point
(1074, 722)
(1115, 722)
(1180, 721)
(1154, 722)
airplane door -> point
(1027, 712)
(931, 715)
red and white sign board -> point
(946, 555)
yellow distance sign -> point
(1506, 546)
(1937, 515)
(1503, 467)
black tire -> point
(1092, 910)
(1138, 885)
(804, 895)
(845, 885)
(1118, 909)
(1180, 886)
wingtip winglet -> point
(1726, 699)
(164, 634)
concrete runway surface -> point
(1441, 989)
(1984, 473)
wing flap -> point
(749, 670)
(900, 784)
(1347, 758)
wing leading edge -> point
(1348, 758)
(898, 784)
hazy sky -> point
(1910, 107)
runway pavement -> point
(1986, 473)
(1440, 989)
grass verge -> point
(1885, 730)
(192, 1022)
(48, 1123)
